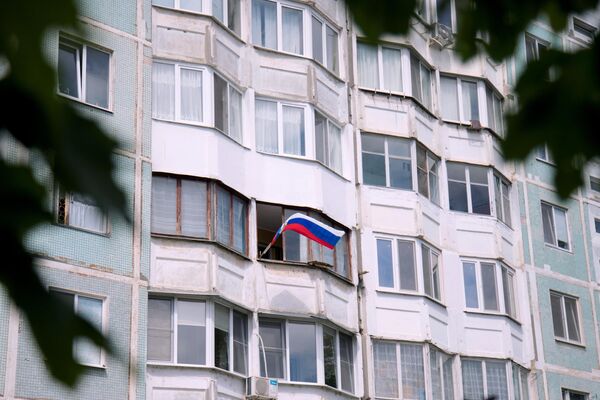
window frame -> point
(564, 321)
(62, 200)
(231, 339)
(460, 101)
(575, 23)
(440, 361)
(537, 42)
(500, 207)
(326, 154)
(547, 156)
(381, 85)
(484, 361)
(81, 46)
(522, 387)
(428, 172)
(387, 157)
(567, 225)
(324, 25)
(396, 282)
(399, 366)
(423, 67)
(496, 101)
(177, 6)
(453, 16)
(436, 285)
(306, 30)
(205, 97)
(105, 319)
(468, 184)
(225, 23)
(229, 87)
(594, 181)
(568, 392)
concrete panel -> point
(179, 394)
(393, 219)
(384, 120)
(281, 81)
(178, 43)
(398, 322)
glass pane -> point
(373, 169)
(422, 171)
(398, 147)
(373, 143)
(507, 283)
(266, 126)
(86, 351)
(415, 77)
(264, 23)
(330, 357)
(160, 329)
(548, 224)
(469, 99)
(385, 369)
(193, 208)
(240, 343)
(413, 379)
(164, 205)
(562, 235)
(392, 69)
(488, 282)
(449, 98)
(221, 337)
(332, 49)
(292, 34)
(435, 273)
(456, 171)
(425, 257)
(572, 319)
(515, 382)
(191, 95)
(192, 5)
(400, 173)
(234, 19)
(271, 333)
(489, 96)
(457, 193)
(68, 71)
(436, 374)
(85, 214)
(191, 332)
(384, 263)
(220, 104)
(346, 362)
(303, 352)
(223, 216)
(334, 140)
(295, 245)
(480, 199)
(498, 197)
(96, 77)
(497, 386)
(368, 72)
(217, 10)
(239, 224)
(530, 49)
(472, 377)
(478, 174)
(426, 86)
(235, 114)
(163, 91)
(317, 40)
(433, 164)
(406, 261)
(557, 315)
(470, 280)
(444, 12)
(293, 130)
(448, 379)
(321, 137)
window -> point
(398, 370)
(543, 153)
(281, 339)
(328, 142)
(84, 72)
(494, 111)
(442, 382)
(420, 76)
(386, 161)
(325, 44)
(80, 211)
(597, 225)
(565, 317)
(534, 47)
(266, 19)
(180, 208)
(177, 92)
(484, 379)
(280, 128)
(230, 348)
(427, 174)
(573, 395)
(444, 11)
(555, 226)
(90, 309)
(502, 199)
(422, 10)
(584, 31)
(463, 107)
(468, 189)
(482, 287)
(228, 12)
(520, 385)
(595, 184)
(396, 264)
(292, 246)
(380, 67)
(188, 5)
(227, 109)
(431, 272)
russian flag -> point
(311, 228)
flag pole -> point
(262, 253)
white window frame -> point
(459, 101)
(498, 286)
(584, 26)
(206, 89)
(327, 161)
(105, 319)
(423, 67)
(499, 209)
(306, 27)
(566, 394)
(547, 158)
(538, 42)
(404, 69)
(324, 25)
(177, 6)
(484, 362)
(440, 288)
(440, 362)
(428, 171)
(568, 227)
(418, 273)
(230, 344)
(468, 184)
(424, 355)
(594, 181)
(81, 55)
(229, 86)
(491, 122)
(563, 312)
(523, 386)
(61, 196)
(338, 361)
(452, 5)
(225, 21)
(413, 160)
(308, 128)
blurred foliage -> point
(560, 112)
(80, 156)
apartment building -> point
(460, 275)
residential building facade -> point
(459, 275)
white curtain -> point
(469, 98)
(293, 130)
(392, 70)
(163, 91)
(235, 114)
(548, 224)
(449, 98)
(264, 23)
(83, 213)
(386, 369)
(164, 205)
(193, 208)
(413, 374)
(496, 380)
(332, 50)
(160, 329)
(292, 30)
(266, 126)
(426, 86)
(320, 137)
(562, 235)
(472, 377)
(335, 148)
(490, 108)
(191, 94)
(91, 310)
(368, 73)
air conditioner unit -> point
(441, 36)
(259, 388)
